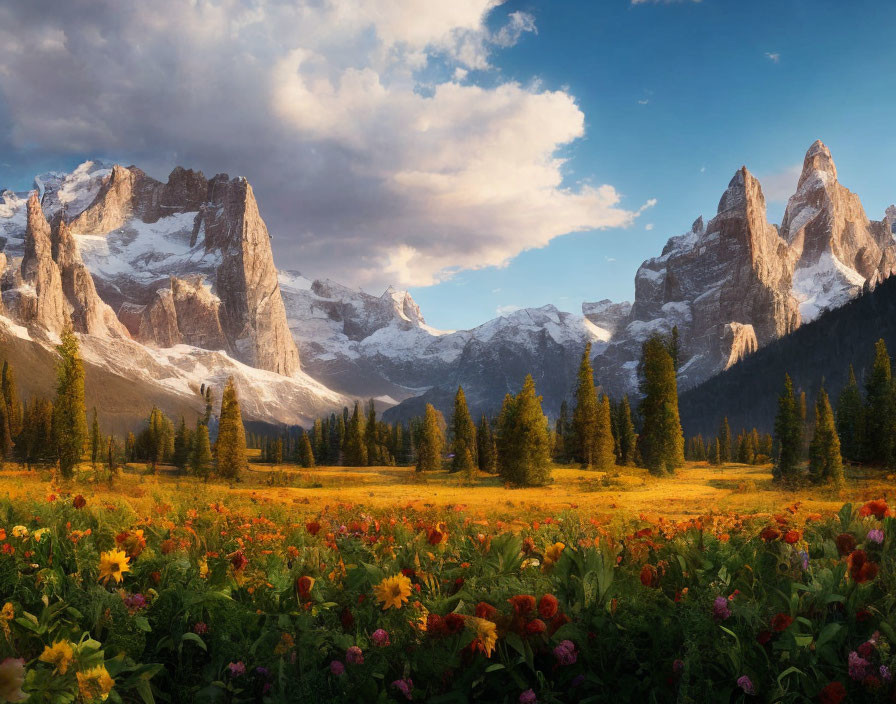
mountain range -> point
(173, 285)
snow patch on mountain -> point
(827, 284)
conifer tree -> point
(675, 348)
(306, 453)
(183, 444)
(111, 457)
(880, 411)
(604, 446)
(130, 448)
(563, 431)
(96, 441)
(524, 452)
(744, 455)
(13, 404)
(355, 449)
(487, 453)
(851, 419)
(463, 436)
(230, 446)
(715, 454)
(69, 413)
(432, 442)
(585, 413)
(788, 435)
(724, 441)
(6, 443)
(334, 445)
(277, 451)
(661, 442)
(825, 462)
(371, 441)
(201, 455)
(626, 430)
(209, 402)
(699, 449)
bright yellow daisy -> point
(60, 655)
(486, 634)
(95, 683)
(393, 591)
(113, 564)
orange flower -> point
(303, 587)
(547, 606)
(877, 508)
(846, 543)
(861, 569)
(79, 501)
(781, 622)
(792, 536)
(770, 534)
(522, 604)
(650, 577)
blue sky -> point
(416, 143)
(677, 96)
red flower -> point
(649, 576)
(547, 606)
(764, 637)
(559, 620)
(239, 561)
(347, 619)
(486, 611)
(435, 536)
(435, 626)
(454, 623)
(861, 569)
(770, 534)
(303, 587)
(877, 508)
(79, 501)
(522, 604)
(313, 527)
(535, 626)
(846, 543)
(863, 615)
(781, 622)
(792, 536)
(833, 693)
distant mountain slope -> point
(823, 349)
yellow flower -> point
(552, 555)
(113, 564)
(8, 611)
(203, 569)
(59, 655)
(19, 532)
(39, 533)
(95, 683)
(485, 634)
(392, 592)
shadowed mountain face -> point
(176, 283)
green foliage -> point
(201, 452)
(585, 414)
(788, 436)
(487, 451)
(851, 419)
(69, 413)
(355, 448)
(661, 440)
(431, 443)
(825, 462)
(230, 445)
(625, 433)
(463, 436)
(524, 444)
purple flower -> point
(380, 638)
(746, 684)
(565, 653)
(135, 602)
(720, 610)
(354, 656)
(528, 697)
(858, 666)
(237, 668)
(876, 536)
(263, 671)
(405, 686)
(337, 668)
(804, 557)
(885, 673)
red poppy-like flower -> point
(347, 619)
(559, 620)
(833, 693)
(522, 604)
(763, 637)
(649, 576)
(781, 622)
(435, 625)
(861, 569)
(547, 606)
(863, 615)
(486, 611)
(239, 561)
(435, 536)
(313, 527)
(877, 508)
(79, 501)
(303, 587)
(528, 546)
(770, 534)
(535, 626)
(846, 543)
(454, 623)
(792, 536)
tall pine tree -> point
(825, 462)
(880, 416)
(432, 442)
(69, 413)
(627, 439)
(487, 452)
(788, 435)
(524, 451)
(851, 419)
(661, 441)
(604, 445)
(724, 441)
(355, 449)
(585, 413)
(201, 454)
(13, 404)
(230, 446)
(463, 436)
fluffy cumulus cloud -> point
(382, 145)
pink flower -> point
(237, 668)
(720, 610)
(380, 638)
(12, 677)
(405, 686)
(746, 684)
(354, 656)
(858, 666)
(565, 653)
(528, 697)
(337, 668)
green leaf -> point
(193, 638)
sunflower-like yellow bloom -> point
(393, 591)
(60, 655)
(113, 564)
(95, 683)
(485, 634)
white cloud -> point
(778, 186)
(774, 57)
(364, 172)
(648, 226)
(643, 101)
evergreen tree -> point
(371, 441)
(230, 446)
(699, 449)
(724, 441)
(661, 442)
(201, 454)
(585, 413)
(334, 444)
(209, 401)
(744, 455)
(69, 413)
(788, 435)
(463, 436)
(306, 453)
(626, 431)
(563, 431)
(277, 451)
(13, 404)
(880, 413)
(432, 442)
(851, 419)
(604, 446)
(675, 348)
(6, 443)
(825, 462)
(96, 441)
(183, 445)
(130, 448)
(524, 452)
(715, 454)
(487, 453)
(111, 453)
(355, 449)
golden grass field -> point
(695, 490)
